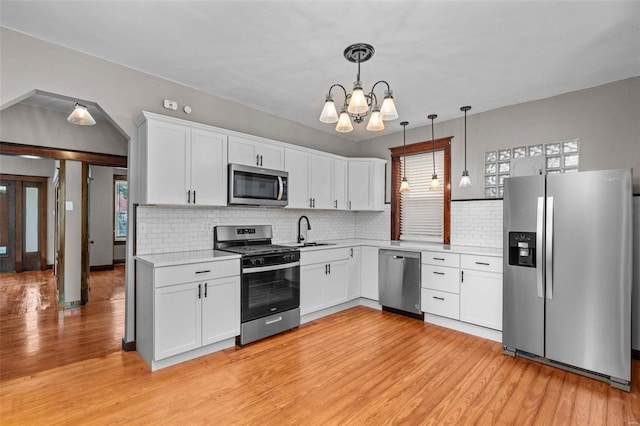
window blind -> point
(421, 210)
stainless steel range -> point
(270, 289)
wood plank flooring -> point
(359, 366)
(35, 336)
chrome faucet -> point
(300, 237)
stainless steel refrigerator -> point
(568, 271)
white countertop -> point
(185, 257)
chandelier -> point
(358, 105)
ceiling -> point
(282, 56)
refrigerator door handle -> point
(539, 230)
(549, 248)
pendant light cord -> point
(404, 143)
(465, 139)
(433, 147)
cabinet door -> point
(339, 184)
(335, 291)
(271, 156)
(355, 273)
(370, 273)
(220, 309)
(242, 151)
(321, 187)
(312, 279)
(481, 298)
(167, 163)
(359, 185)
(177, 325)
(298, 164)
(208, 168)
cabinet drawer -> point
(481, 263)
(441, 278)
(169, 275)
(441, 259)
(440, 303)
(310, 257)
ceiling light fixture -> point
(404, 186)
(435, 183)
(80, 116)
(465, 181)
(358, 105)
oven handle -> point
(270, 268)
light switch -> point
(69, 205)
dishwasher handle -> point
(399, 254)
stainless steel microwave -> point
(256, 186)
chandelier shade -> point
(80, 116)
(359, 104)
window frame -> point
(441, 144)
(116, 179)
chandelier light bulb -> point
(388, 110)
(344, 123)
(358, 102)
(329, 113)
(375, 122)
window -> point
(421, 214)
(120, 203)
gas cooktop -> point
(250, 250)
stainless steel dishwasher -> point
(399, 281)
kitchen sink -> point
(316, 244)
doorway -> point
(23, 223)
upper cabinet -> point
(366, 184)
(311, 180)
(256, 152)
(182, 163)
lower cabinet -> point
(355, 273)
(370, 273)
(323, 285)
(481, 292)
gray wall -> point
(101, 216)
(606, 119)
(73, 234)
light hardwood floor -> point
(360, 366)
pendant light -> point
(404, 186)
(465, 181)
(435, 183)
(80, 116)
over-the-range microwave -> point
(256, 186)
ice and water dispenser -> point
(522, 249)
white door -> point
(370, 273)
(355, 273)
(220, 309)
(208, 168)
(481, 298)
(321, 181)
(339, 184)
(298, 164)
(359, 185)
(312, 282)
(336, 283)
(271, 156)
(177, 325)
(243, 151)
(167, 163)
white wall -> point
(73, 233)
(635, 304)
(603, 118)
(101, 216)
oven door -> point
(257, 186)
(270, 289)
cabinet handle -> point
(438, 273)
(329, 265)
(205, 289)
(439, 258)
(189, 197)
(199, 291)
(203, 272)
(258, 160)
(335, 204)
(261, 161)
(349, 204)
(273, 321)
(310, 202)
(194, 196)
(326, 269)
(351, 252)
(482, 263)
(314, 203)
(461, 276)
(438, 298)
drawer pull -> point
(439, 258)
(438, 273)
(482, 263)
(273, 321)
(438, 298)
(203, 272)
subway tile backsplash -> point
(476, 223)
(174, 229)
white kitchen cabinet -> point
(184, 309)
(323, 279)
(370, 273)
(183, 163)
(440, 282)
(481, 291)
(256, 152)
(311, 177)
(355, 273)
(366, 184)
(340, 169)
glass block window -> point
(559, 157)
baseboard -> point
(118, 261)
(128, 346)
(101, 267)
(635, 354)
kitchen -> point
(488, 131)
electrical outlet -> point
(170, 104)
(208, 226)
